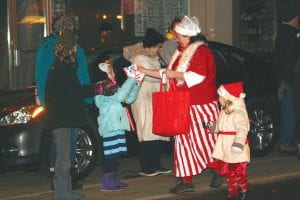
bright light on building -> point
(119, 17)
(104, 17)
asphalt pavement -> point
(271, 177)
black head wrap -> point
(152, 37)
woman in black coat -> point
(64, 103)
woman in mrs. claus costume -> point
(193, 68)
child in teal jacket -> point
(113, 122)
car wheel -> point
(262, 130)
(86, 153)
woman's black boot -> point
(75, 185)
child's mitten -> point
(237, 146)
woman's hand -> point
(139, 76)
(174, 74)
(148, 72)
(170, 73)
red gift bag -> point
(171, 111)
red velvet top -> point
(202, 63)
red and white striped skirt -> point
(193, 151)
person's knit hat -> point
(189, 26)
(110, 62)
(63, 22)
(232, 91)
(67, 39)
(291, 10)
(152, 37)
(104, 67)
(106, 87)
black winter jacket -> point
(64, 98)
(287, 50)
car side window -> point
(235, 66)
(230, 67)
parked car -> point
(24, 143)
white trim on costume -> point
(191, 78)
(185, 59)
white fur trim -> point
(224, 93)
(185, 59)
(242, 95)
(192, 78)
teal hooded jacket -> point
(44, 58)
(112, 115)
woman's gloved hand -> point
(237, 147)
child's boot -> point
(121, 184)
(243, 195)
(109, 182)
(244, 185)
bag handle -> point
(172, 85)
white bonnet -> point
(189, 26)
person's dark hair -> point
(152, 37)
(290, 11)
(106, 26)
(118, 66)
(175, 21)
(198, 38)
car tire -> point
(87, 152)
(262, 134)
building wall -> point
(216, 18)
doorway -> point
(27, 24)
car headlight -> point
(22, 116)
